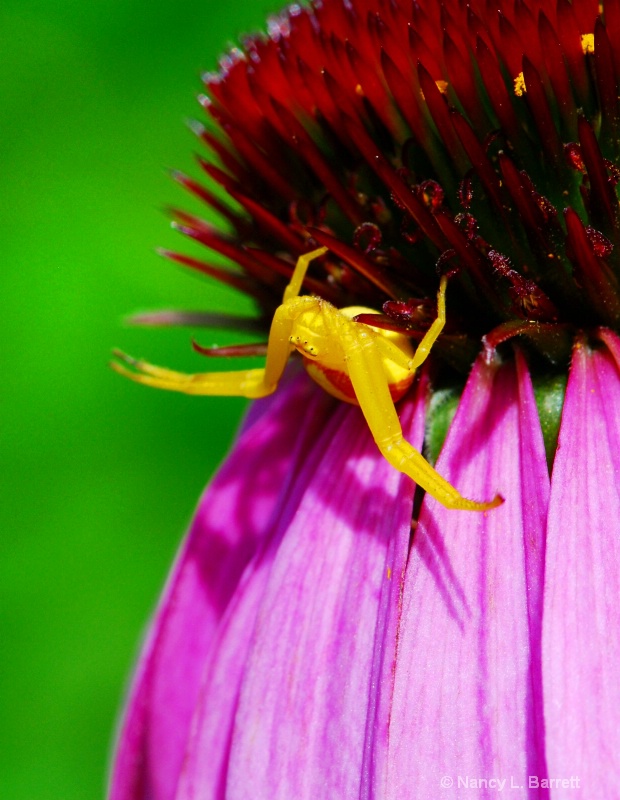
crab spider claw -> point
(140, 368)
(463, 504)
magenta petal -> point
(234, 517)
(374, 770)
(467, 687)
(308, 688)
(581, 643)
(207, 754)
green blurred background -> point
(99, 476)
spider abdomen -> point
(330, 370)
(337, 382)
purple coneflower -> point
(328, 632)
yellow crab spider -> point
(357, 363)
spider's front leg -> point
(365, 366)
(251, 383)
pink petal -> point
(467, 687)
(581, 642)
(236, 514)
(308, 673)
(208, 748)
(386, 637)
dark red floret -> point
(475, 139)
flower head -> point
(307, 644)
(393, 134)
